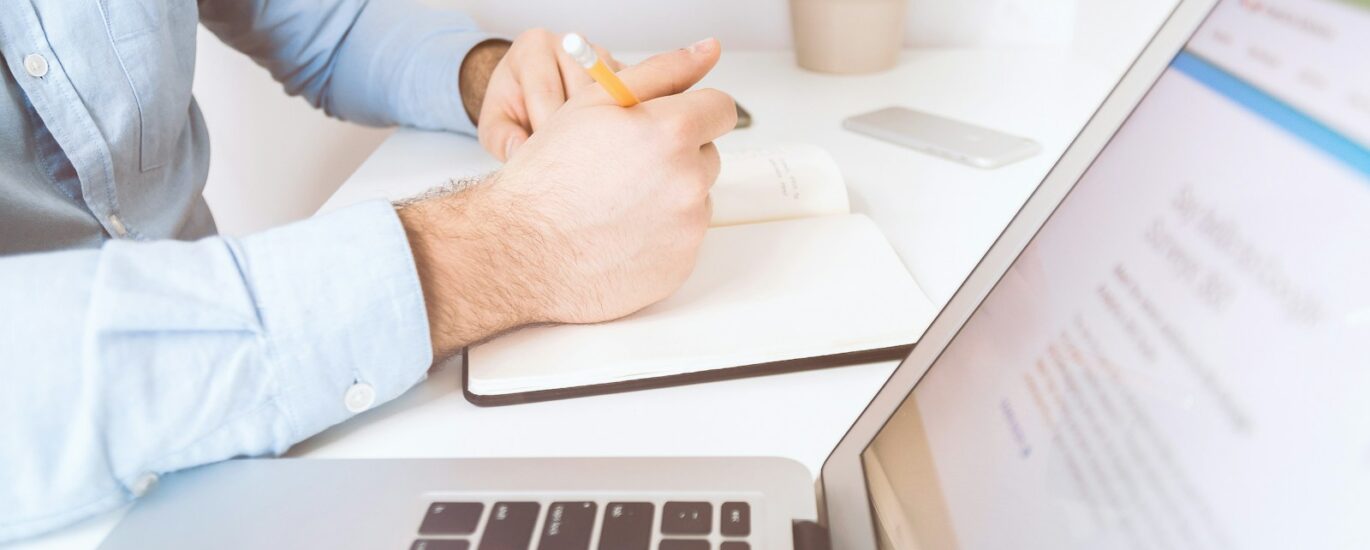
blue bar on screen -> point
(1276, 111)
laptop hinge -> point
(810, 536)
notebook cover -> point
(713, 375)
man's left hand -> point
(511, 89)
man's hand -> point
(599, 215)
(511, 90)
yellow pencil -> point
(581, 51)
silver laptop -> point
(1169, 347)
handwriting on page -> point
(777, 183)
(784, 176)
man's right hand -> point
(598, 215)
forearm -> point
(144, 358)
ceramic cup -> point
(848, 36)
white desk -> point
(940, 216)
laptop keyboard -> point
(577, 525)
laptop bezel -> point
(843, 500)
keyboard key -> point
(687, 518)
(627, 526)
(510, 526)
(568, 526)
(683, 544)
(735, 519)
(439, 544)
(735, 545)
(451, 518)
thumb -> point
(671, 72)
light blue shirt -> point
(126, 351)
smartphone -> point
(944, 137)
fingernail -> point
(509, 146)
(702, 46)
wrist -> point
(474, 76)
(470, 279)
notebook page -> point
(777, 183)
(759, 293)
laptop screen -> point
(1180, 358)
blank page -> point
(759, 293)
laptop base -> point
(441, 504)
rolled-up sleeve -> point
(141, 358)
(378, 63)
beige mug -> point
(848, 36)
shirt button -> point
(118, 226)
(144, 484)
(36, 65)
(359, 397)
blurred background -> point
(266, 144)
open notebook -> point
(786, 279)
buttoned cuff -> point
(435, 98)
(340, 301)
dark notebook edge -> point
(713, 375)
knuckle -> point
(702, 221)
(721, 103)
(684, 199)
(542, 88)
(685, 243)
(717, 95)
(711, 155)
(711, 172)
(676, 127)
(730, 115)
(539, 88)
(535, 34)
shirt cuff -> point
(435, 97)
(340, 301)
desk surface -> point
(939, 215)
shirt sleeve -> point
(140, 358)
(379, 63)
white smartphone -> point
(951, 139)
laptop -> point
(1166, 348)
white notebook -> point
(787, 279)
